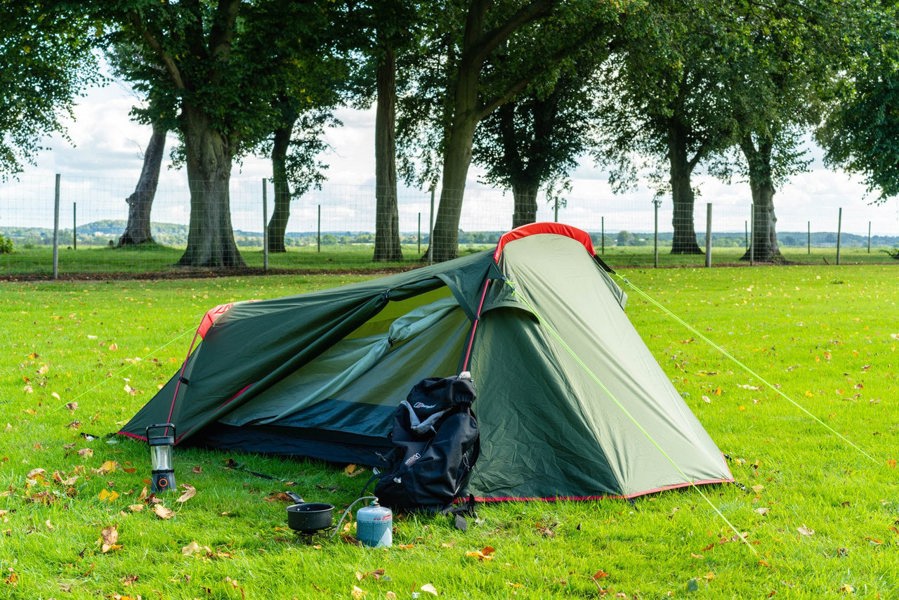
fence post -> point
(556, 209)
(319, 229)
(708, 234)
(655, 233)
(839, 232)
(419, 234)
(809, 251)
(602, 235)
(56, 229)
(869, 237)
(75, 228)
(264, 227)
(746, 233)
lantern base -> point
(163, 481)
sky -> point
(100, 166)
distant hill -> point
(101, 233)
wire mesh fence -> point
(73, 224)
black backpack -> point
(436, 444)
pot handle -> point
(296, 498)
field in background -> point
(160, 260)
(820, 517)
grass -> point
(38, 260)
(822, 520)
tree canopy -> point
(46, 63)
(861, 132)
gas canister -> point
(374, 525)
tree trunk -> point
(387, 220)
(277, 225)
(763, 246)
(681, 168)
(210, 238)
(456, 160)
(140, 203)
(525, 196)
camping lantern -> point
(161, 456)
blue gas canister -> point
(374, 525)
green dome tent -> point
(571, 404)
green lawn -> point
(821, 519)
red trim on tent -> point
(211, 316)
(536, 228)
(599, 497)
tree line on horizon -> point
(649, 90)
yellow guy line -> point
(745, 368)
(627, 413)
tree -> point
(388, 32)
(140, 202)
(782, 60)
(466, 81)
(662, 102)
(125, 60)
(535, 139)
(294, 150)
(45, 64)
(305, 86)
(861, 131)
(214, 80)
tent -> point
(571, 404)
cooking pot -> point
(309, 517)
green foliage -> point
(45, 64)
(861, 133)
(84, 357)
(5, 245)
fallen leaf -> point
(163, 512)
(36, 474)
(189, 492)
(136, 507)
(429, 589)
(600, 575)
(805, 530)
(107, 495)
(353, 470)
(847, 589)
(107, 467)
(762, 510)
(358, 593)
(484, 554)
(758, 488)
(193, 547)
(390, 596)
(109, 539)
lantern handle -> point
(161, 426)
